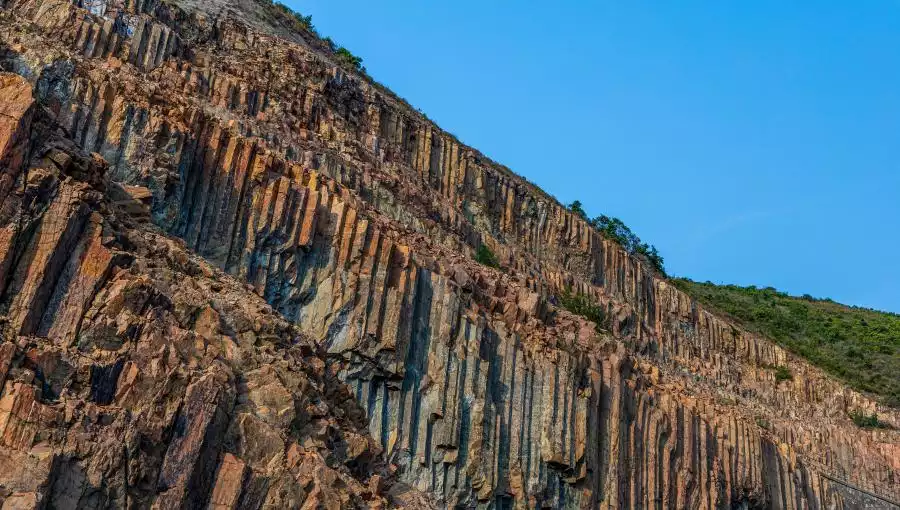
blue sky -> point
(751, 142)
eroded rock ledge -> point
(355, 220)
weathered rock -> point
(230, 482)
(16, 105)
(128, 366)
(298, 209)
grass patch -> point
(857, 345)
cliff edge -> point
(234, 274)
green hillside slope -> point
(858, 345)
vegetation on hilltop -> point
(342, 56)
(299, 22)
(615, 229)
(302, 22)
(857, 345)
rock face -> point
(235, 275)
(136, 375)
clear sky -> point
(751, 142)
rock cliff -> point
(237, 275)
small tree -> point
(306, 21)
(576, 208)
(618, 231)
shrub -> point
(299, 21)
(615, 229)
(763, 423)
(306, 21)
(618, 231)
(344, 57)
(583, 305)
(576, 208)
(486, 257)
(653, 256)
(865, 421)
(783, 373)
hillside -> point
(235, 273)
(858, 345)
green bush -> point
(583, 305)
(576, 208)
(304, 23)
(298, 20)
(857, 345)
(486, 257)
(344, 57)
(615, 229)
(783, 373)
(866, 421)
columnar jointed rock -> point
(134, 375)
(355, 219)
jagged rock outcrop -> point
(138, 375)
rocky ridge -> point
(136, 374)
(356, 220)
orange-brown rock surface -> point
(236, 275)
(136, 375)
